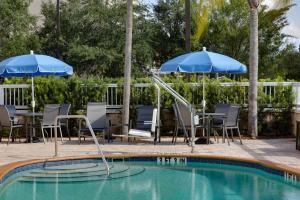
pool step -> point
(85, 173)
(82, 168)
(90, 174)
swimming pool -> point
(148, 178)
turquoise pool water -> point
(148, 180)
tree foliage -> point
(93, 34)
(16, 27)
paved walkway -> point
(276, 150)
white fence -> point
(19, 94)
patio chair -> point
(11, 110)
(144, 118)
(7, 123)
(143, 124)
(96, 114)
(64, 110)
(51, 111)
(218, 121)
(183, 121)
(229, 122)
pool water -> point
(148, 180)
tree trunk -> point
(187, 25)
(127, 70)
(58, 54)
(253, 71)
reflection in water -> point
(205, 182)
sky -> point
(293, 17)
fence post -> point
(1, 95)
(296, 90)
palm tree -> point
(253, 63)
(58, 55)
(200, 15)
(127, 69)
(187, 6)
(253, 68)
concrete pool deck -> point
(280, 151)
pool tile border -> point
(289, 174)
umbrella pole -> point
(32, 95)
(203, 101)
(33, 107)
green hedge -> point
(79, 91)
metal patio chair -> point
(11, 110)
(64, 110)
(183, 121)
(51, 111)
(96, 114)
(6, 122)
(229, 122)
(217, 121)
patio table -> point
(210, 117)
(30, 116)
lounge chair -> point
(143, 124)
(6, 122)
(64, 110)
(51, 111)
(96, 114)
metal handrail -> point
(89, 127)
(157, 80)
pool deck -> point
(280, 151)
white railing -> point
(19, 94)
(15, 95)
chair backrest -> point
(11, 110)
(233, 116)
(96, 113)
(64, 109)
(222, 108)
(183, 114)
(144, 117)
(154, 120)
(51, 111)
(4, 116)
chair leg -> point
(79, 138)
(43, 135)
(67, 127)
(60, 131)
(10, 132)
(223, 134)
(238, 130)
(231, 131)
(176, 134)
(226, 132)
(50, 134)
(216, 136)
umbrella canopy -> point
(203, 62)
(34, 65)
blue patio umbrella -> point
(203, 62)
(32, 65)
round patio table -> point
(30, 117)
(210, 117)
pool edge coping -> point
(6, 169)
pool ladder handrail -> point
(88, 124)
